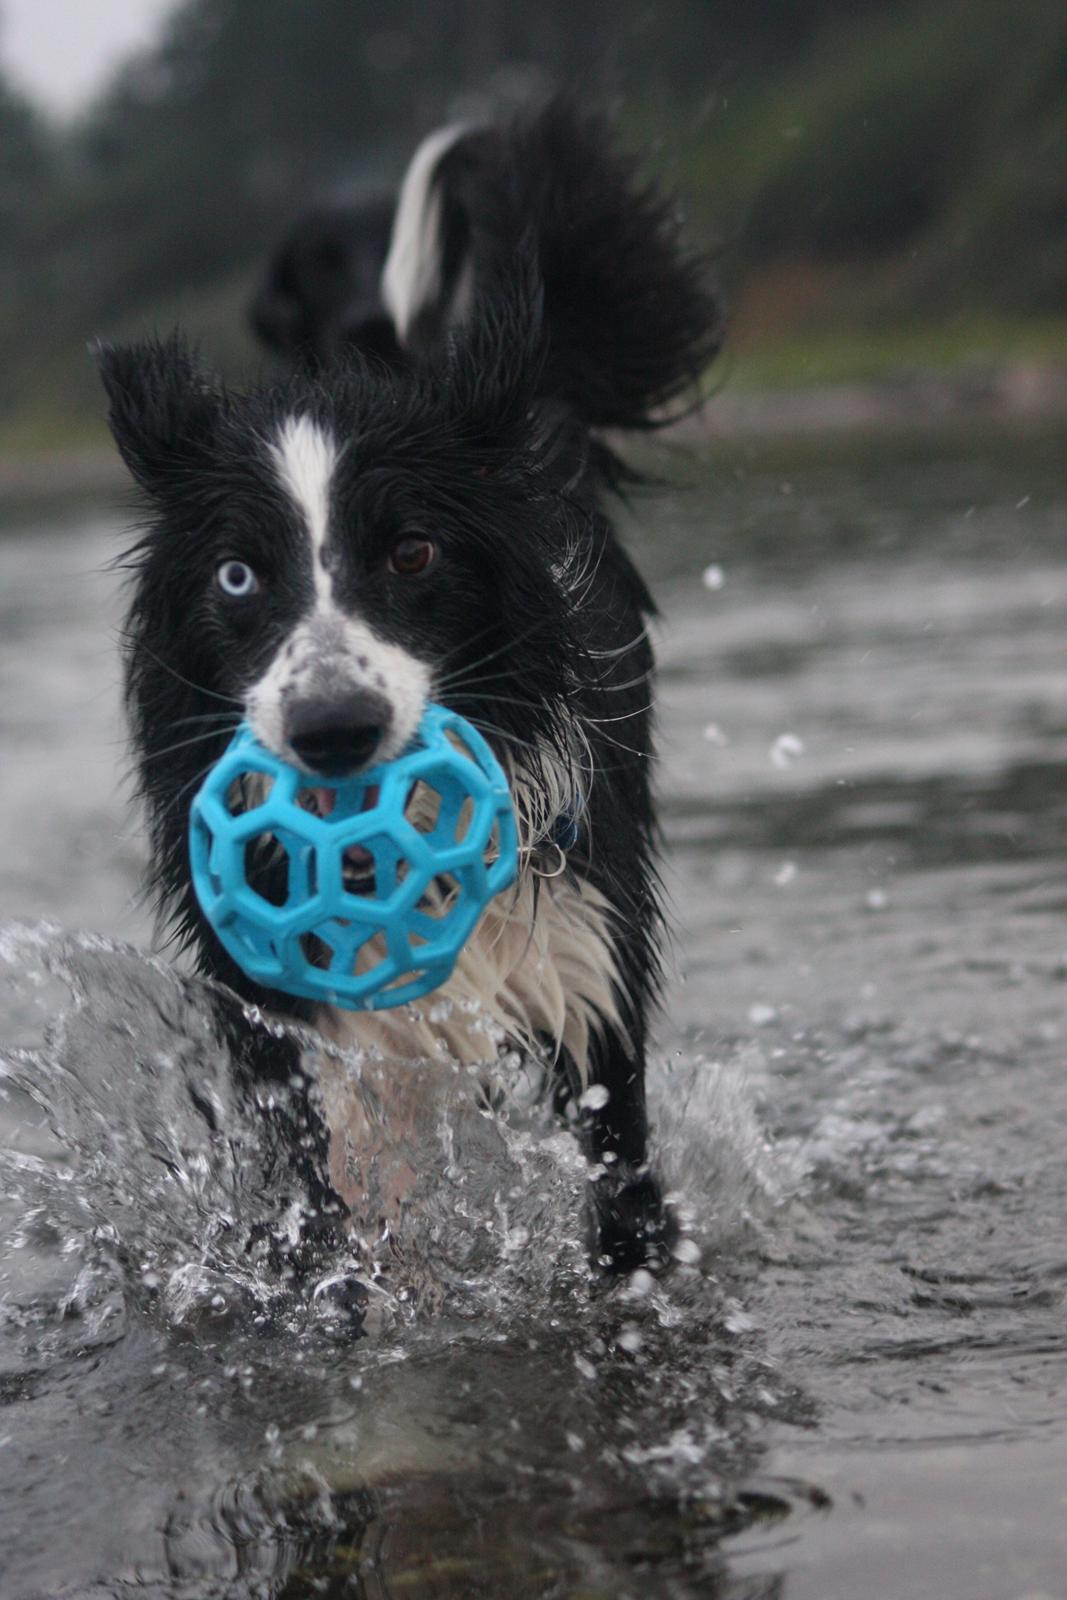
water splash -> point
(189, 1176)
(283, 1375)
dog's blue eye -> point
(236, 579)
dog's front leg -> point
(630, 1226)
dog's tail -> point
(631, 320)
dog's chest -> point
(539, 969)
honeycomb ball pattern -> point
(359, 892)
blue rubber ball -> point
(359, 892)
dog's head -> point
(324, 557)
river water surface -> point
(853, 1382)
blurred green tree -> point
(922, 142)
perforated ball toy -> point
(362, 891)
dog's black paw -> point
(630, 1225)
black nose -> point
(333, 737)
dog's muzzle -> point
(337, 737)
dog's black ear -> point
(497, 359)
(492, 360)
(164, 409)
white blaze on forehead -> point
(305, 456)
(330, 652)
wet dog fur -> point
(424, 515)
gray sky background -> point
(62, 51)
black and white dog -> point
(422, 517)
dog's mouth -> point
(358, 874)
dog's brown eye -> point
(411, 556)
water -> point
(853, 1382)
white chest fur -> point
(540, 965)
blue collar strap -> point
(567, 828)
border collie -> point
(423, 516)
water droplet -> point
(786, 749)
(640, 1284)
(737, 1320)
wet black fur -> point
(631, 323)
(587, 313)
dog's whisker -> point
(465, 644)
(134, 641)
(628, 749)
(508, 737)
(626, 716)
(602, 687)
(182, 744)
(569, 760)
(509, 644)
(208, 716)
(502, 700)
(618, 650)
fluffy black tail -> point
(630, 320)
